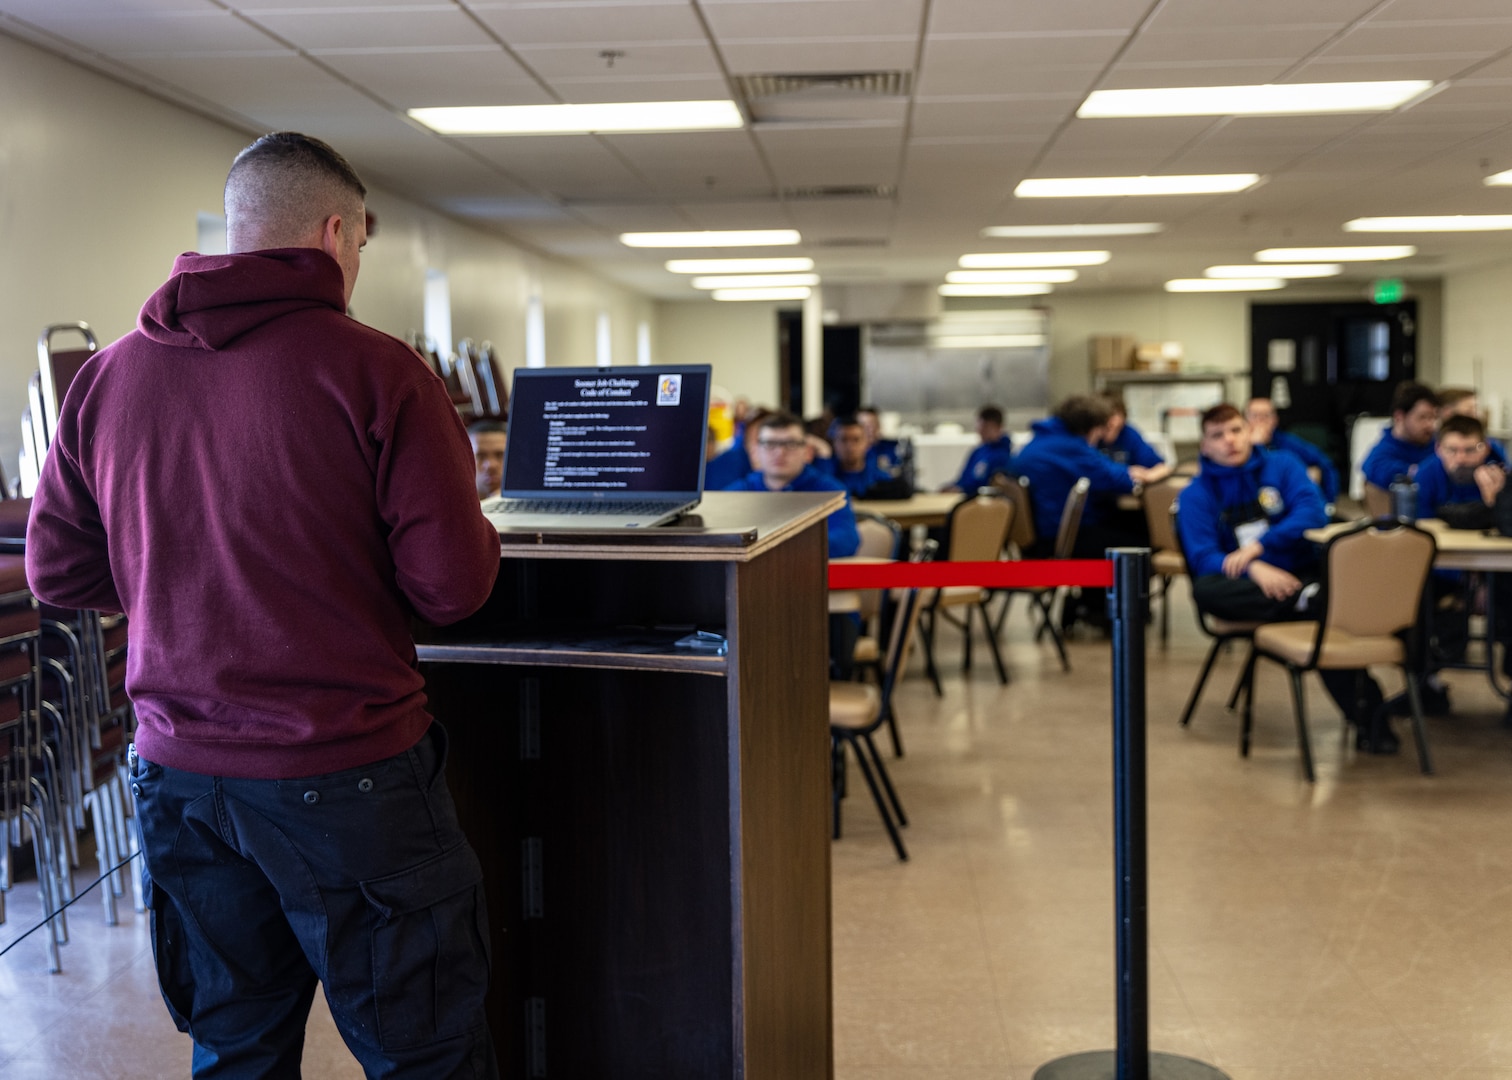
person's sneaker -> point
(1435, 702)
(1376, 736)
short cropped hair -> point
(1408, 395)
(990, 414)
(1468, 426)
(1450, 396)
(1082, 413)
(1116, 406)
(284, 185)
(779, 419)
(1221, 413)
(488, 426)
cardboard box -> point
(1111, 352)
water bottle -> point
(906, 465)
(1404, 495)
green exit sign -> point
(1387, 290)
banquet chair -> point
(857, 710)
(1044, 597)
(1166, 560)
(1361, 623)
(1377, 501)
(1223, 632)
(881, 538)
(58, 368)
(976, 531)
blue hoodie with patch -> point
(1272, 487)
(1053, 461)
(1393, 457)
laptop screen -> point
(616, 430)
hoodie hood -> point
(210, 300)
(1234, 484)
(1049, 426)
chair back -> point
(1158, 500)
(58, 368)
(905, 623)
(490, 381)
(1071, 515)
(1377, 501)
(881, 537)
(1016, 490)
(978, 528)
(1359, 561)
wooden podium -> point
(652, 818)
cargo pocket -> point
(175, 979)
(430, 949)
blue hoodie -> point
(1436, 488)
(844, 538)
(1130, 448)
(985, 462)
(856, 483)
(1053, 461)
(1309, 455)
(1393, 457)
(1222, 496)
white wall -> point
(101, 187)
(738, 339)
(1478, 335)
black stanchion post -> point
(1131, 1058)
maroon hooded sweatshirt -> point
(269, 490)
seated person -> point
(1407, 441)
(782, 456)
(850, 464)
(488, 439)
(879, 451)
(1124, 445)
(1264, 435)
(1459, 484)
(1465, 401)
(1062, 451)
(1242, 523)
(993, 456)
(735, 463)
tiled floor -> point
(1356, 929)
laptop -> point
(603, 447)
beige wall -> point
(101, 186)
(738, 339)
(1478, 335)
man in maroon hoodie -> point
(270, 491)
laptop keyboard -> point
(584, 506)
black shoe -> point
(1435, 701)
(1376, 736)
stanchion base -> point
(1103, 1065)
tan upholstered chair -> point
(857, 710)
(1223, 633)
(1377, 501)
(881, 538)
(977, 531)
(1373, 578)
(1166, 560)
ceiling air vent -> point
(862, 83)
(840, 191)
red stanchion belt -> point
(1034, 573)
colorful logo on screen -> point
(669, 390)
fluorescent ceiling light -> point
(1000, 277)
(618, 116)
(729, 238)
(1045, 232)
(753, 281)
(1432, 223)
(796, 293)
(1223, 284)
(1271, 99)
(1280, 270)
(1006, 259)
(1501, 179)
(1336, 254)
(740, 266)
(1088, 187)
(1028, 289)
(988, 341)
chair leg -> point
(837, 778)
(992, 643)
(892, 731)
(871, 782)
(966, 640)
(926, 628)
(1202, 677)
(39, 830)
(1046, 602)
(1419, 732)
(882, 774)
(1165, 611)
(1002, 615)
(1304, 741)
(1247, 684)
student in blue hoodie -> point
(1465, 401)
(993, 456)
(1124, 445)
(851, 464)
(1063, 450)
(1408, 441)
(1264, 435)
(1242, 522)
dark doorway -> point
(1324, 364)
(790, 360)
(842, 369)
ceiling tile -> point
(839, 20)
(1440, 10)
(1193, 73)
(588, 89)
(1192, 14)
(1334, 68)
(320, 28)
(803, 57)
(1281, 43)
(1021, 115)
(765, 213)
(477, 76)
(1465, 40)
(986, 16)
(605, 25)
(567, 166)
(206, 30)
(642, 61)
